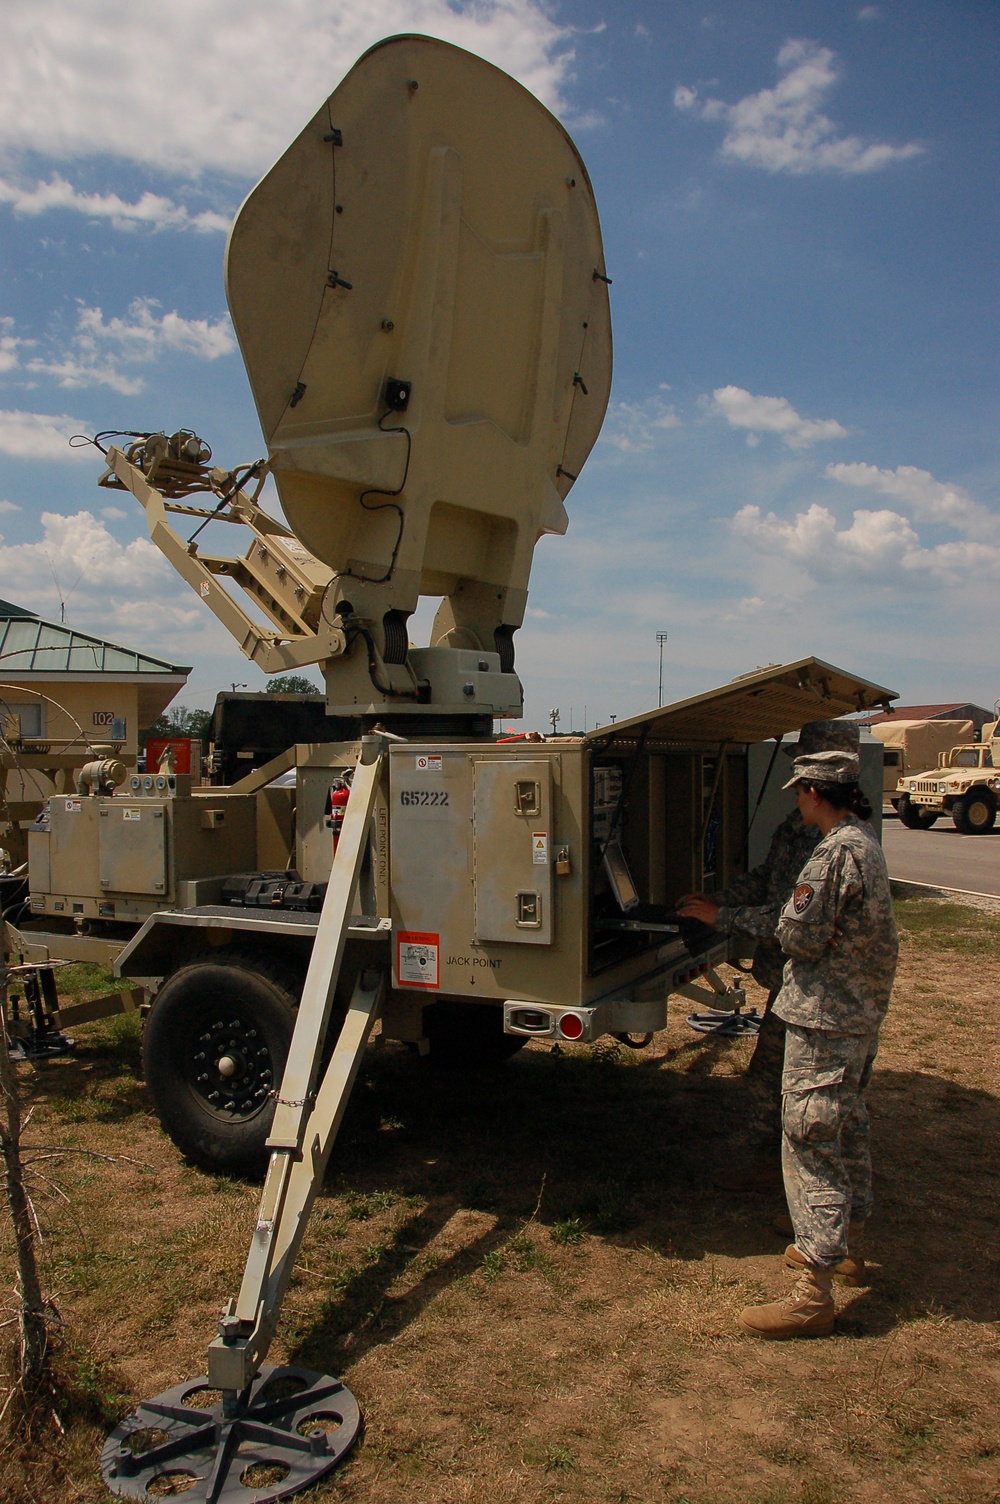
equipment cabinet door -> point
(512, 846)
(133, 848)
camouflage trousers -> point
(763, 1078)
(825, 1156)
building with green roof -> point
(70, 691)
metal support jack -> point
(286, 1421)
(728, 1018)
(34, 1036)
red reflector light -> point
(571, 1026)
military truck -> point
(911, 747)
(965, 784)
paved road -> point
(942, 857)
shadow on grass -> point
(99, 1081)
(630, 1150)
(363, 1314)
(626, 1147)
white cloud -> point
(143, 335)
(125, 592)
(755, 608)
(113, 514)
(635, 426)
(9, 506)
(883, 543)
(812, 539)
(869, 13)
(79, 545)
(225, 83)
(151, 209)
(10, 345)
(42, 436)
(101, 348)
(741, 409)
(784, 129)
(929, 499)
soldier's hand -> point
(698, 906)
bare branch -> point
(52, 1151)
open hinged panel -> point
(753, 707)
(677, 817)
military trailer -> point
(424, 318)
(509, 891)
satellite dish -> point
(419, 292)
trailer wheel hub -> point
(229, 1067)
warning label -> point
(417, 958)
(540, 848)
(429, 762)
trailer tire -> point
(912, 816)
(228, 1007)
(468, 1036)
(975, 813)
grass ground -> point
(530, 1283)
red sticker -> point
(802, 897)
(417, 956)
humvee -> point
(965, 784)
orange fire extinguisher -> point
(336, 804)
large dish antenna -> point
(419, 292)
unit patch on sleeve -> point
(803, 897)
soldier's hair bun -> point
(844, 796)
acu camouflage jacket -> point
(752, 904)
(839, 931)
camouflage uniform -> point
(751, 906)
(839, 931)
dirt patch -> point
(531, 1285)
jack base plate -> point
(288, 1429)
(725, 1021)
(41, 1046)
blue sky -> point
(799, 209)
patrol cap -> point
(824, 736)
(825, 767)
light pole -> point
(554, 718)
(661, 638)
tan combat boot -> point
(850, 1271)
(806, 1311)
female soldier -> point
(839, 932)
